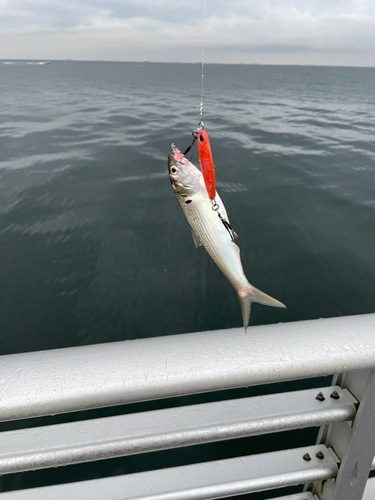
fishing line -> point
(201, 124)
(204, 148)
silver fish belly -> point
(210, 232)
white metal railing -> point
(101, 438)
(65, 380)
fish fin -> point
(197, 241)
(238, 252)
(246, 311)
(255, 295)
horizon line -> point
(197, 62)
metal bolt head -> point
(320, 397)
(306, 457)
(320, 455)
(335, 395)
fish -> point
(209, 223)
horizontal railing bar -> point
(210, 480)
(98, 439)
(71, 379)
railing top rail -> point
(63, 380)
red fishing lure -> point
(207, 163)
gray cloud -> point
(242, 31)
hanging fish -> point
(209, 230)
(207, 163)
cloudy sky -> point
(334, 32)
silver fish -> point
(212, 231)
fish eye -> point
(201, 138)
(173, 170)
(188, 201)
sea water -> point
(93, 245)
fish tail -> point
(254, 295)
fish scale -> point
(214, 237)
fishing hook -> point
(195, 135)
(229, 228)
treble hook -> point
(228, 227)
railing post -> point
(354, 443)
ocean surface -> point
(94, 247)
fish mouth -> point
(175, 158)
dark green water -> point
(93, 245)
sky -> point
(317, 32)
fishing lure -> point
(207, 163)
